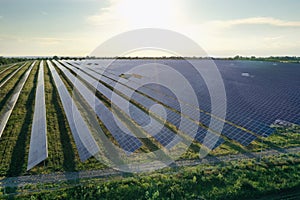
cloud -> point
(137, 13)
(1, 17)
(258, 21)
(105, 17)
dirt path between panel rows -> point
(69, 176)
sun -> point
(146, 13)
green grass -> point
(272, 177)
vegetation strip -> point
(68, 176)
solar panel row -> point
(85, 143)
(7, 68)
(7, 110)
(38, 150)
(10, 76)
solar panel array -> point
(172, 116)
(230, 131)
(38, 150)
(85, 143)
(127, 141)
(7, 110)
(257, 95)
(165, 136)
(277, 99)
(248, 116)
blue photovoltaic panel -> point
(85, 143)
(206, 137)
(127, 141)
(252, 125)
(209, 139)
(238, 135)
(162, 134)
(38, 150)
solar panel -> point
(209, 139)
(85, 143)
(10, 76)
(38, 150)
(252, 125)
(7, 110)
(165, 136)
(127, 141)
(238, 135)
(7, 68)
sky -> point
(221, 27)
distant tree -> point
(55, 58)
(236, 57)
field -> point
(250, 176)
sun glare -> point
(145, 13)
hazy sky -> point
(221, 27)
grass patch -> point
(273, 177)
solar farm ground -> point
(63, 155)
